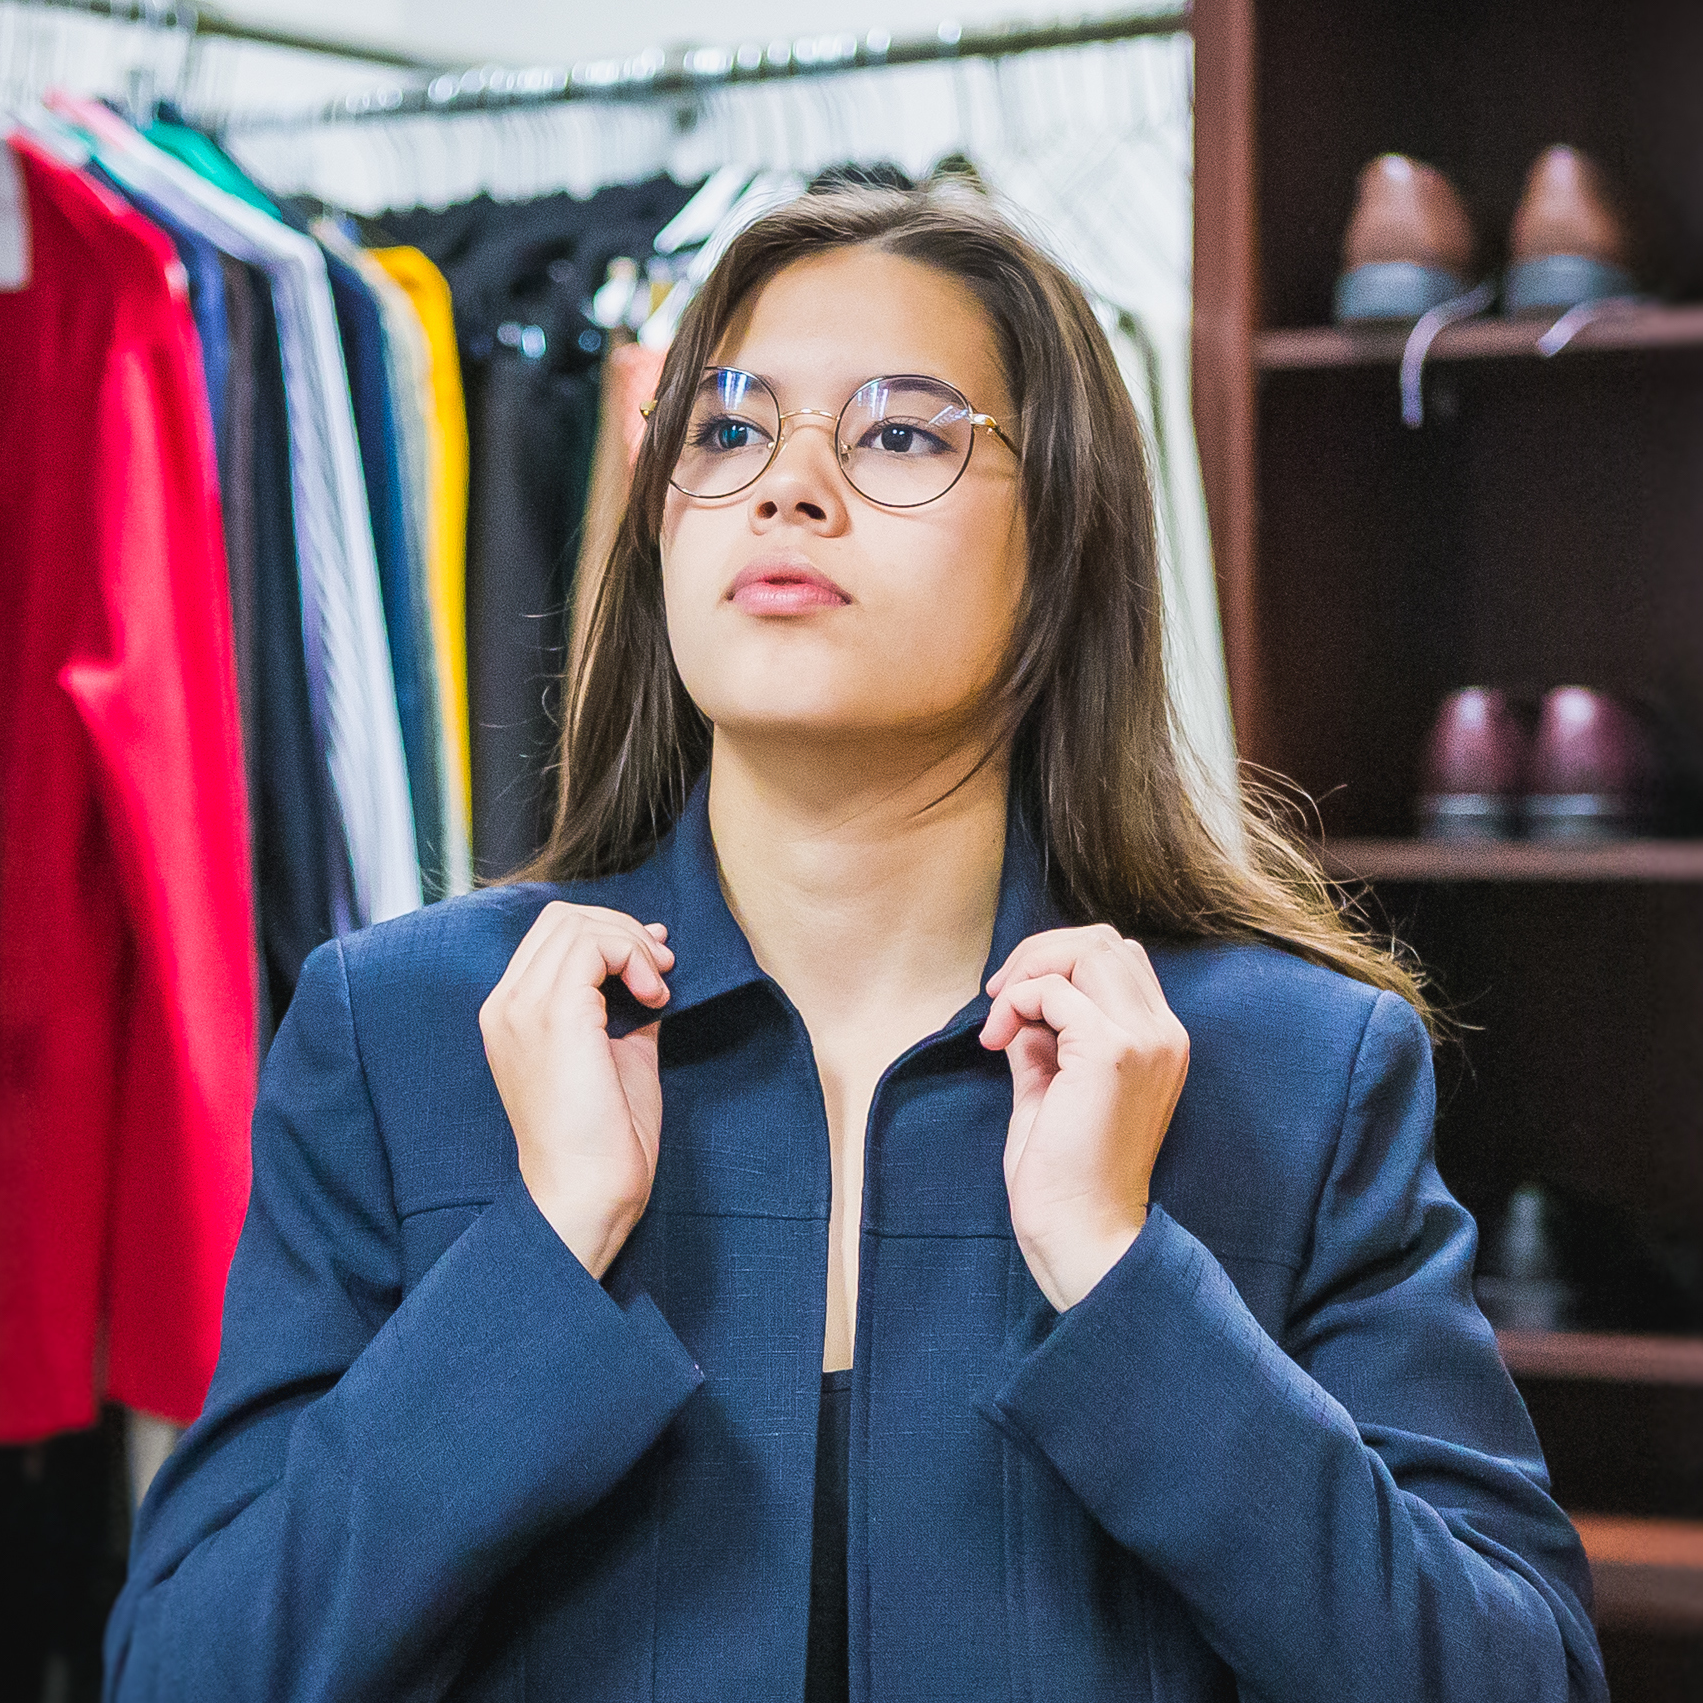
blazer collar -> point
(678, 884)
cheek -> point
(692, 542)
(675, 514)
(693, 545)
(977, 595)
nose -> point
(803, 480)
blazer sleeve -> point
(368, 1467)
(1361, 1513)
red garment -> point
(128, 980)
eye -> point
(726, 434)
(903, 437)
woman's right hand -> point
(586, 1110)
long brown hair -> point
(1097, 762)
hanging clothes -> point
(207, 160)
(128, 1051)
(401, 573)
(351, 686)
(303, 878)
(520, 275)
(443, 416)
(414, 404)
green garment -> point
(203, 155)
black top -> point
(827, 1675)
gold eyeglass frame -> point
(975, 419)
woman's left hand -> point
(1098, 1060)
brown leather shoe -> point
(1409, 245)
(1568, 243)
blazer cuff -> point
(1156, 1370)
(512, 1375)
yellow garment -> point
(446, 432)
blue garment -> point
(1274, 1447)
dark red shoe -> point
(1475, 764)
(1593, 769)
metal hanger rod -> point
(209, 21)
(688, 71)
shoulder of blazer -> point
(415, 987)
(1274, 1036)
(1280, 1050)
(1249, 990)
(465, 943)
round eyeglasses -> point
(901, 441)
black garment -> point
(64, 1535)
(536, 262)
(827, 1662)
(531, 435)
(521, 275)
(302, 879)
(235, 442)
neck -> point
(862, 904)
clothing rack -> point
(208, 22)
(688, 71)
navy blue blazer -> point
(1273, 1454)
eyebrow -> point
(774, 383)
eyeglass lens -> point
(901, 441)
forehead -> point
(822, 326)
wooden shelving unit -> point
(1646, 1573)
(1493, 338)
(1544, 527)
(1368, 859)
(1603, 1356)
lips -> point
(790, 586)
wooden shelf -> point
(1646, 1572)
(1490, 339)
(1600, 1355)
(1545, 529)
(1511, 860)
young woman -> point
(887, 1143)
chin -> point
(770, 714)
